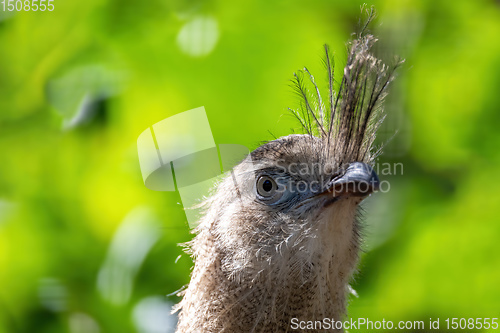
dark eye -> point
(266, 186)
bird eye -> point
(270, 190)
(266, 186)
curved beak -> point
(358, 180)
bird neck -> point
(308, 281)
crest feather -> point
(354, 110)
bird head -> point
(298, 195)
(298, 175)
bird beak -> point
(358, 180)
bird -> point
(280, 238)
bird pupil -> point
(267, 185)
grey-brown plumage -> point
(280, 238)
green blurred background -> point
(85, 247)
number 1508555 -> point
(27, 5)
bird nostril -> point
(336, 176)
